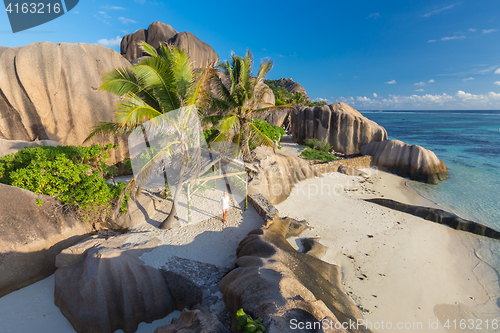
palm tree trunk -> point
(171, 221)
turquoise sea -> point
(468, 142)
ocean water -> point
(468, 142)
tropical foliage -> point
(283, 96)
(74, 175)
(246, 324)
(317, 151)
(275, 133)
(239, 100)
(159, 84)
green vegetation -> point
(317, 151)
(247, 325)
(239, 101)
(284, 97)
(74, 175)
(275, 133)
(159, 84)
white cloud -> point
(422, 83)
(431, 81)
(110, 42)
(375, 95)
(468, 79)
(319, 99)
(391, 82)
(431, 41)
(126, 20)
(453, 37)
(497, 83)
(374, 15)
(437, 11)
(472, 30)
(420, 89)
(474, 71)
(487, 31)
(461, 100)
(497, 71)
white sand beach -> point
(398, 268)
(401, 270)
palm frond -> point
(258, 138)
(109, 128)
(120, 81)
(132, 111)
(149, 50)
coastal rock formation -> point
(32, 236)
(439, 216)
(273, 281)
(106, 288)
(274, 117)
(103, 285)
(274, 174)
(51, 92)
(343, 127)
(198, 320)
(202, 54)
(293, 87)
(13, 146)
(412, 161)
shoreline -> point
(396, 267)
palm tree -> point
(157, 85)
(239, 99)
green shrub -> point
(72, 174)
(275, 133)
(247, 325)
(318, 145)
(317, 155)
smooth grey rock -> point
(412, 161)
(343, 127)
(32, 236)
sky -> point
(373, 55)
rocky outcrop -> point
(273, 174)
(102, 285)
(274, 117)
(202, 54)
(293, 87)
(343, 127)
(198, 320)
(32, 236)
(273, 281)
(13, 146)
(439, 216)
(51, 92)
(412, 161)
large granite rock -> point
(274, 117)
(13, 146)
(273, 281)
(202, 54)
(412, 161)
(343, 127)
(273, 174)
(32, 236)
(293, 87)
(102, 285)
(198, 320)
(51, 92)
(439, 216)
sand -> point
(399, 269)
(32, 308)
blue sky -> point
(392, 54)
